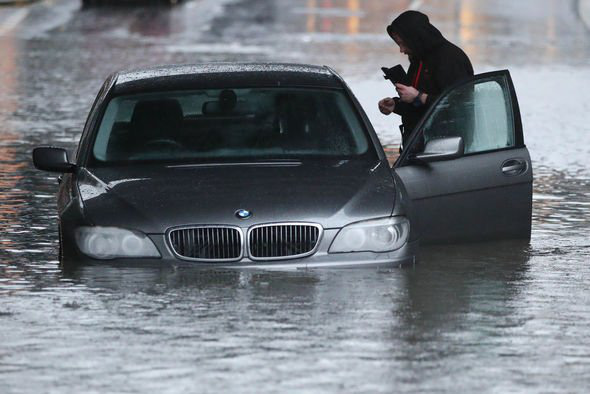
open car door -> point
(473, 179)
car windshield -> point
(231, 124)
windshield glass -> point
(230, 124)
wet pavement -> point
(501, 317)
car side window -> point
(479, 111)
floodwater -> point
(501, 317)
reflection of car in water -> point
(277, 164)
(128, 2)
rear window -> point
(230, 124)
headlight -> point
(113, 242)
(381, 235)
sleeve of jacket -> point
(402, 108)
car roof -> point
(225, 75)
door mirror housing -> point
(439, 149)
(52, 159)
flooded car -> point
(277, 165)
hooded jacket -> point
(443, 63)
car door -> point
(484, 192)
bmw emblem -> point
(243, 213)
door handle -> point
(513, 167)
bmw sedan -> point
(277, 165)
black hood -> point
(154, 199)
(418, 33)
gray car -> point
(277, 165)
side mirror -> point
(52, 159)
(442, 149)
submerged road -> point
(498, 317)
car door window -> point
(479, 111)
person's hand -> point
(407, 94)
(387, 105)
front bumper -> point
(407, 254)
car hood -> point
(155, 198)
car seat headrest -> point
(157, 118)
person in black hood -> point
(435, 64)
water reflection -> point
(365, 328)
(487, 31)
(478, 26)
(467, 26)
(454, 281)
(12, 197)
(449, 283)
(349, 17)
(152, 22)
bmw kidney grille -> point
(265, 242)
(283, 240)
(207, 243)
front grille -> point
(207, 243)
(283, 240)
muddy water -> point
(498, 317)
